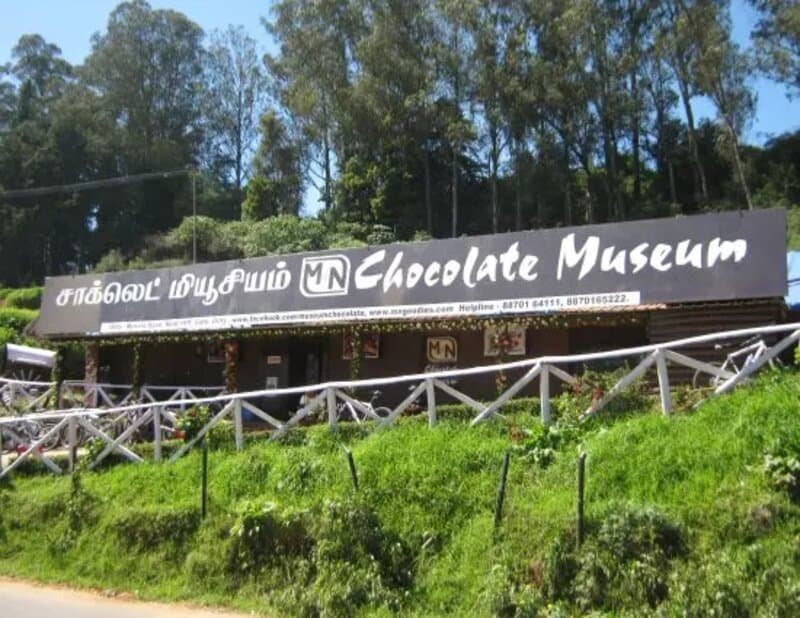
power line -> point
(94, 184)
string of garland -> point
(357, 356)
(138, 363)
(439, 325)
(231, 371)
(502, 342)
(57, 376)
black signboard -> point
(706, 257)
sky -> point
(71, 23)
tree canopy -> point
(393, 120)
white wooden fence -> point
(330, 395)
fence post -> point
(330, 395)
(72, 438)
(431, 397)
(204, 479)
(157, 433)
(579, 507)
(237, 424)
(501, 491)
(663, 382)
(1, 448)
(352, 464)
(544, 394)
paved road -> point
(22, 600)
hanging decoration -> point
(357, 353)
(136, 373)
(231, 373)
(438, 326)
(57, 377)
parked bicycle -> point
(346, 410)
(365, 411)
(750, 351)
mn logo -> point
(442, 350)
(328, 275)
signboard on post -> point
(719, 256)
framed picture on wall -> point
(511, 338)
(370, 345)
(215, 352)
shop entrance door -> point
(306, 365)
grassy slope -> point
(436, 488)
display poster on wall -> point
(720, 256)
(215, 352)
(510, 340)
(370, 345)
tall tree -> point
(312, 74)
(235, 96)
(678, 36)
(148, 68)
(455, 86)
(492, 30)
(723, 73)
(276, 186)
(777, 38)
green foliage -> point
(94, 448)
(370, 112)
(263, 535)
(284, 234)
(782, 468)
(192, 421)
(624, 564)
(16, 319)
(541, 442)
(78, 512)
(24, 298)
(112, 261)
(7, 335)
(592, 385)
(793, 228)
(149, 529)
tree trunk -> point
(637, 172)
(428, 204)
(517, 188)
(326, 145)
(454, 191)
(673, 194)
(687, 106)
(494, 156)
(567, 192)
(739, 167)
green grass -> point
(287, 534)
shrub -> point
(7, 335)
(193, 420)
(25, 298)
(782, 468)
(263, 534)
(148, 529)
(624, 565)
(594, 384)
(541, 443)
(78, 513)
(16, 319)
(112, 261)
